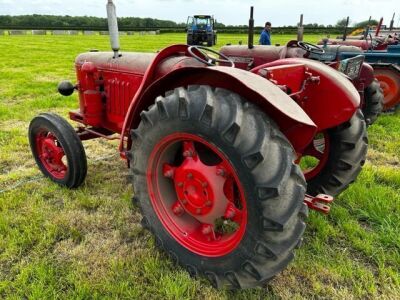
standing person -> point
(265, 38)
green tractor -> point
(200, 29)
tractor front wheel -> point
(217, 186)
(57, 149)
(335, 157)
(373, 102)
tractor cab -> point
(200, 22)
(200, 29)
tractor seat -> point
(128, 62)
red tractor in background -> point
(251, 57)
(212, 150)
(382, 53)
(366, 41)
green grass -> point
(88, 243)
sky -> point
(233, 12)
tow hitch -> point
(319, 203)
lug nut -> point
(180, 184)
(190, 176)
(208, 203)
(198, 211)
(204, 184)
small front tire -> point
(57, 149)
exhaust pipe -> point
(345, 29)
(392, 23)
(250, 41)
(113, 27)
(300, 30)
(378, 29)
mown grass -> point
(88, 243)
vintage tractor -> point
(382, 53)
(212, 150)
(201, 29)
(250, 57)
(367, 41)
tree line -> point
(87, 22)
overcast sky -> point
(235, 12)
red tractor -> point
(254, 58)
(212, 150)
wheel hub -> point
(199, 188)
(198, 197)
(51, 155)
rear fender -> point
(330, 102)
(288, 115)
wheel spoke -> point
(233, 213)
(189, 149)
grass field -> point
(88, 243)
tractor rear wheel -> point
(389, 80)
(373, 96)
(216, 183)
(190, 39)
(57, 149)
(210, 40)
(336, 156)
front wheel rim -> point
(201, 204)
(51, 154)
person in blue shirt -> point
(265, 38)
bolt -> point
(190, 176)
(184, 201)
(180, 184)
(198, 211)
(204, 184)
(220, 172)
(177, 209)
(206, 229)
(168, 171)
(208, 203)
(187, 153)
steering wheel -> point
(209, 60)
(310, 47)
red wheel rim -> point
(51, 154)
(390, 84)
(318, 149)
(196, 193)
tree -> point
(342, 22)
(364, 24)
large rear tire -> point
(342, 153)
(373, 105)
(207, 128)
